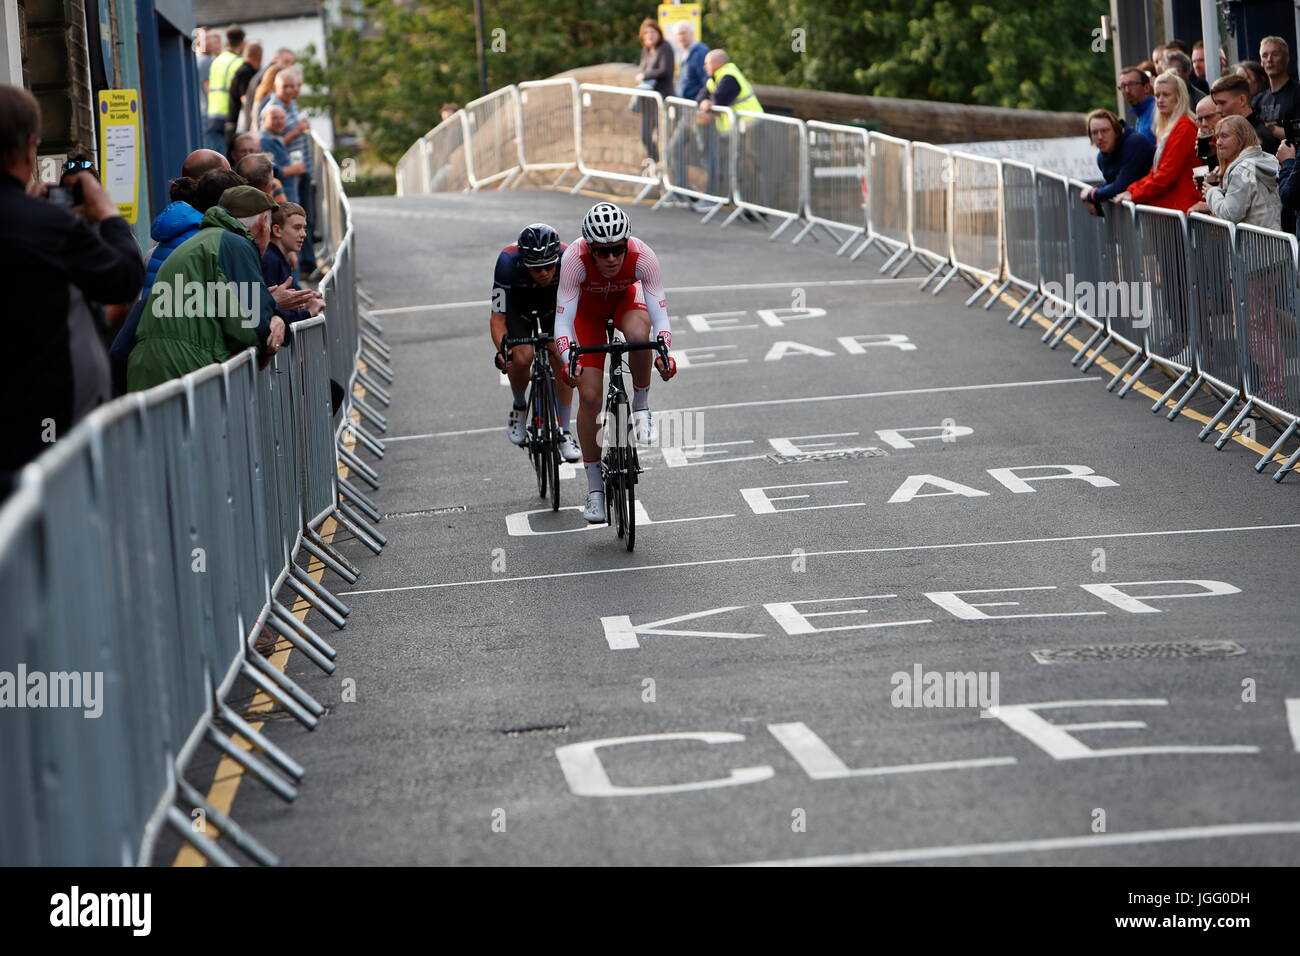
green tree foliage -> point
(388, 79)
(1028, 54)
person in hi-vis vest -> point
(726, 86)
(221, 75)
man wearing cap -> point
(208, 301)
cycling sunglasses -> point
(609, 252)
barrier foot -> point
(349, 491)
(284, 616)
(370, 321)
(853, 237)
(1277, 445)
(893, 257)
(1172, 388)
(377, 366)
(580, 184)
(324, 552)
(644, 192)
(260, 667)
(1187, 397)
(1115, 379)
(996, 294)
(373, 388)
(867, 244)
(1032, 306)
(370, 414)
(375, 342)
(183, 825)
(934, 272)
(735, 214)
(1146, 364)
(911, 254)
(316, 596)
(365, 296)
(1209, 427)
(1286, 466)
(802, 232)
(1029, 314)
(368, 474)
(1100, 334)
(782, 228)
(1056, 324)
(259, 740)
(341, 516)
(945, 280)
(1236, 423)
(373, 445)
(285, 791)
(977, 293)
(237, 834)
(289, 628)
(296, 709)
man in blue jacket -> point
(1135, 86)
(1123, 156)
(691, 77)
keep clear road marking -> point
(1092, 841)
(799, 401)
(785, 555)
(440, 306)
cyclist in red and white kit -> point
(607, 272)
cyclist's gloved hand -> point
(499, 360)
(669, 370)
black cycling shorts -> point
(520, 325)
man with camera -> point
(52, 262)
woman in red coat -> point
(1169, 185)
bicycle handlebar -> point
(616, 349)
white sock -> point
(565, 412)
(521, 397)
(640, 398)
(594, 480)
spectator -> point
(177, 222)
(239, 86)
(179, 334)
(656, 73)
(1249, 192)
(287, 170)
(1123, 156)
(245, 144)
(259, 171)
(53, 262)
(1278, 103)
(1207, 117)
(1181, 63)
(1169, 185)
(1135, 86)
(726, 86)
(220, 77)
(690, 73)
(1231, 95)
(1198, 59)
(288, 87)
(1256, 77)
(1158, 55)
(449, 110)
(284, 59)
(1149, 68)
(1177, 45)
(208, 46)
(288, 229)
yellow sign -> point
(119, 149)
(670, 13)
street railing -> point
(143, 555)
(1154, 282)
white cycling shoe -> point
(515, 425)
(647, 432)
(569, 449)
(595, 510)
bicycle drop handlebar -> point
(616, 349)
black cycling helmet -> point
(539, 245)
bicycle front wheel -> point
(539, 446)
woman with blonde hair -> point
(1249, 190)
(1169, 185)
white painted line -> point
(1293, 720)
(1090, 841)
(785, 555)
(440, 306)
(800, 401)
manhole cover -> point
(843, 455)
(1137, 652)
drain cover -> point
(1138, 652)
(843, 455)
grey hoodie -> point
(1249, 191)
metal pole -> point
(1210, 37)
(479, 30)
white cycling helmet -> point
(605, 222)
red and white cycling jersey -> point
(586, 297)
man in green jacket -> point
(209, 301)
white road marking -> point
(1293, 720)
(799, 401)
(821, 763)
(1090, 841)
(785, 555)
(440, 306)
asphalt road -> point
(740, 667)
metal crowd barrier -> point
(610, 116)
(548, 128)
(492, 128)
(1152, 281)
(141, 557)
(698, 153)
(837, 181)
(771, 167)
